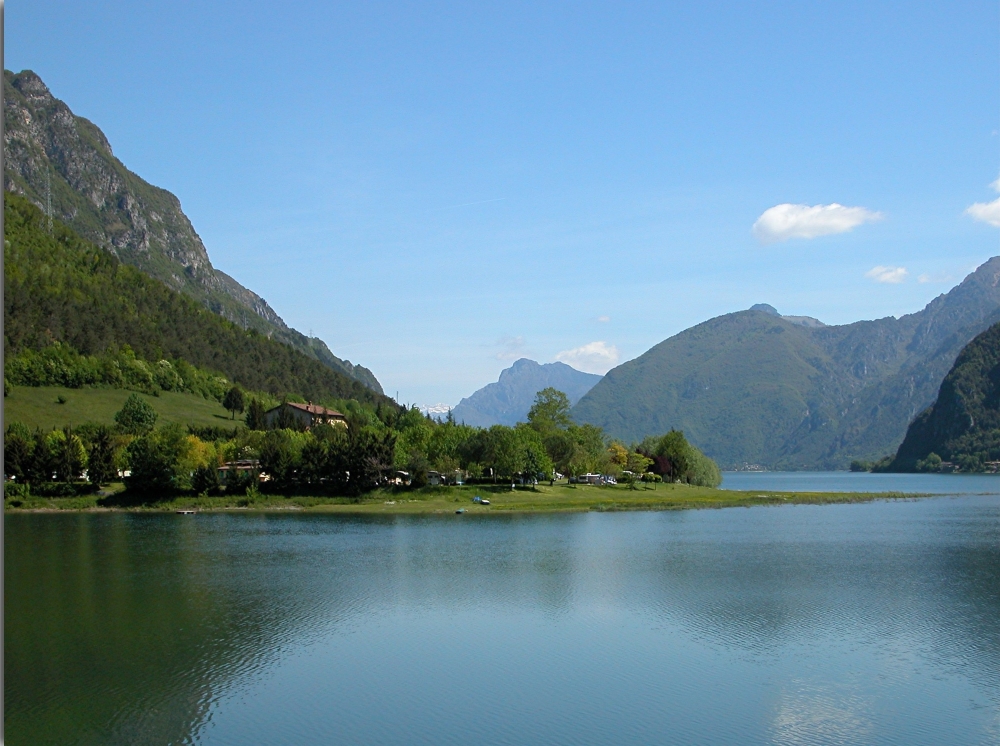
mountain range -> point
(507, 401)
(755, 387)
(53, 157)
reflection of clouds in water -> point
(814, 715)
(992, 734)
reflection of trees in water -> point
(126, 628)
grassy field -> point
(446, 500)
(39, 407)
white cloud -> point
(892, 275)
(786, 221)
(987, 212)
(594, 357)
(604, 319)
(512, 348)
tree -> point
(286, 420)
(206, 480)
(101, 467)
(417, 467)
(679, 461)
(155, 461)
(532, 466)
(17, 451)
(550, 411)
(636, 465)
(618, 454)
(41, 460)
(234, 400)
(560, 447)
(931, 463)
(277, 458)
(136, 417)
(255, 415)
(315, 459)
(369, 456)
(68, 454)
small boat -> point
(460, 511)
(187, 512)
(484, 501)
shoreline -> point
(447, 500)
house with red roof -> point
(302, 416)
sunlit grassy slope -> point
(39, 407)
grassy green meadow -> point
(39, 407)
(560, 498)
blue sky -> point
(437, 189)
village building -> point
(304, 416)
(232, 471)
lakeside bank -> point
(560, 498)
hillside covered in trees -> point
(53, 156)
(962, 427)
(75, 315)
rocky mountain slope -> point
(74, 315)
(963, 424)
(49, 153)
(756, 387)
(507, 401)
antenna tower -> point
(48, 197)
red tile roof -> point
(315, 409)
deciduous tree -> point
(234, 400)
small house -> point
(232, 470)
(304, 416)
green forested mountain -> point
(963, 424)
(63, 293)
(50, 152)
(756, 387)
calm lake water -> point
(846, 481)
(873, 623)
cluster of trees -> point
(379, 441)
(61, 365)
(62, 289)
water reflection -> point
(869, 623)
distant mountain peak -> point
(798, 320)
(507, 401)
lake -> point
(874, 623)
(847, 481)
